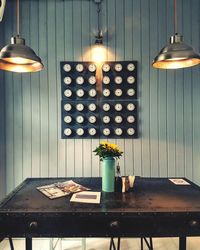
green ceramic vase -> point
(108, 174)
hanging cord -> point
(17, 15)
(98, 16)
(175, 18)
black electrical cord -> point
(17, 15)
(175, 18)
(98, 18)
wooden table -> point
(155, 207)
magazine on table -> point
(60, 189)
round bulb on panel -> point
(106, 67)
(67, 67)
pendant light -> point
(99, 37)
(177, 54)
(17, 57)
(98, 49)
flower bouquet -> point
(106, 149)
(107, 153)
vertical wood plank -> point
(108, 17)
(128, 31)
(85, 38)
(2, 124)
(196, 91)
(53, 101)
(119, 55)
(44, 88)
(17, 104)
(137, 152)
(103, 22)
(68, 51)
(128, 53)
(162, 90)
(180, 168)
(26, 98)
(18, 126)
(119, 20)
(171, 112)
(10, 172)
(145, 88)
(77, 53)
(60, 57)
(179, 149)
(110, 28)
(35, 101)
(93, 22)
(95, 164)
(153, 123)
(95, 159)
(2, 135)
(187, 97)
(112, 55)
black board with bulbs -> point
(119, 80)
(113, 114)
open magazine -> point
(60, 189)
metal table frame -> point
(154, 208)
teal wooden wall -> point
(2, 124)
(57, 30)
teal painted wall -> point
(2, 124)
(135, 30)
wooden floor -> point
(193, 243)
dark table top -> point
(149, 195)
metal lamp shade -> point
(176, 55)
(17, 57)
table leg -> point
(112, 244)
(28, 243)
(11, 243)
(182, 243)
(151, 243)
(141, 243)
(1, 239)
(118, 243)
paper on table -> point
(60, 189)
(52, 191)
(179, 182)
(86, 197)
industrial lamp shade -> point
(176, 55)
(17, 57)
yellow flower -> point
(103, 143)
(107, 149)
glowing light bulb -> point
(98, 53)
(18, 60)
